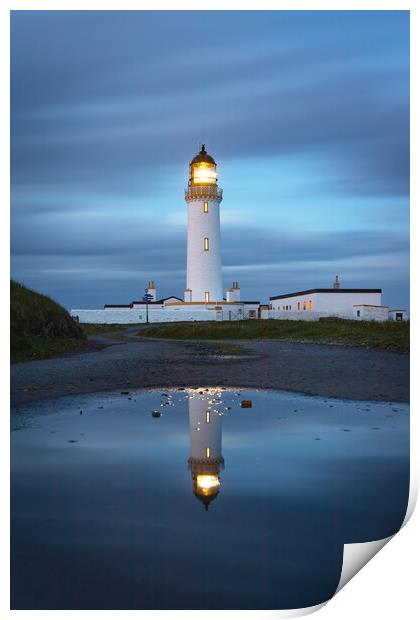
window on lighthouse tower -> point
(207, 297)
(206, 207)
(206, 244)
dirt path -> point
(344, 372)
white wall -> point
(344, 302)
(164, 315)
(289, 315)
(333, 304)
(127, 316)
(371, 313)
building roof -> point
(203, 157)
(368, 306)
(158, 301)
(118, 306)
(329, 290)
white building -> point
(312, 304)
(397, 314)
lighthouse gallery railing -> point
(203, 191)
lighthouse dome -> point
(203, 157)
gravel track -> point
(325, 370)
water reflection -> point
(206, 460)
(103, 501)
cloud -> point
(312, 140)
(256, 257)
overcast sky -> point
(306, 114)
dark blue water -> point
(189, 500)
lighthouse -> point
(204, 262)
(206, 460)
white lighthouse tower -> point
(204, 262)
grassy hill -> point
(39, 327)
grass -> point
(39, 327)
(388, 335)
(97, 329)
(27, 348)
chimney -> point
(336, 282)
(151, 289)
(233, 294)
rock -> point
(246, 404)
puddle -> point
(184, 499)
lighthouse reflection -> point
(206, 460)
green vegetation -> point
(389, 335)
(97, 329)
(39, 327)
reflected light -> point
(207, 484)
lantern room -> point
(203, 169)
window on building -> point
(298, 305)
(206, 207)
(206, 244)
(207, 297)
(208, 416)
(358, 313)
(304, 305)
(310, 305)
(398, 316)
(208, 452)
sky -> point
(306, 114)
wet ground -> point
(339, 371)
(199, 499)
